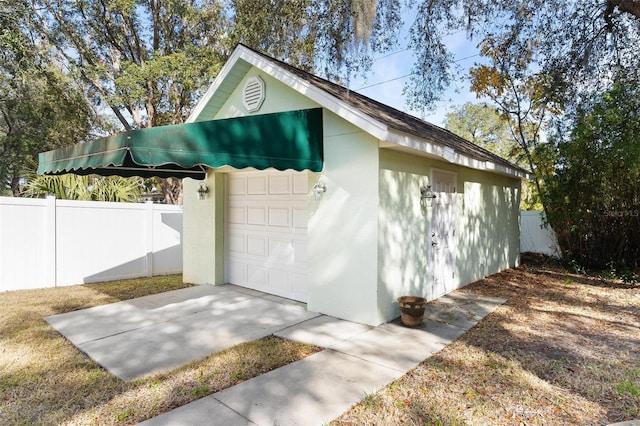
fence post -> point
(148, 222)
(50, 237)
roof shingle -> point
(396, 119)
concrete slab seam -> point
(298, 323)
(344, 340)
(118, 333)
(400, 370)
(235, 411)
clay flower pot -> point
(412, 310)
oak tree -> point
(594, 196)
(485, 125)
(579, 45)
(41, 108)
(145, 61)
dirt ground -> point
(563, 349)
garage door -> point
(266, 232)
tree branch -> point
(84, 52)
(631, 7)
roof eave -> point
(213, 88)
(305, 88)
(449, 155)
(353, 115)
(320, 96)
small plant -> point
(611, 271)
(200, 391)
(237, 375)
(210, 376)
(623, 273)
(400, 404)
(95, 375)
(370, 400)
(576, 267)
(628, 387)
(471, 394)
(557, 366)
(123, 415)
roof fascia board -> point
(451, 156)
(323, 98)
(222, 75)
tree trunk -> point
(15, 186)
(172, 190)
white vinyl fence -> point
(536, 236)
(50, 243)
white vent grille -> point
(253, 94)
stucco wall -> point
(343, 226)
(403, 241)
(487, 228)
(278, 98)
(489, 224)
(203, 231)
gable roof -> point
(394, 128)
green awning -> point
(285, 140)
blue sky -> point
(386, 80)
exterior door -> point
(266, 232)
(443, 233)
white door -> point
(266, 232)
(443, 233)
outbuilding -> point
(301, 188)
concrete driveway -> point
(138, 337)
(134, 338)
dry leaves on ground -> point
(564, 349)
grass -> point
(564, 349)
(45, 380)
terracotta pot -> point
(412, 310)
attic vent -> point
(253, 94)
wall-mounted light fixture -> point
(318, 189)
(427, 194)
(202, 191)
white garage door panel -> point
(256, 276)
(266, 232)
(257, 245)
(267, 249)
(279, 185)
(236, 272)
(236, 215)
(256, 215)
(237, 187)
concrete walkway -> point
(358, 360)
